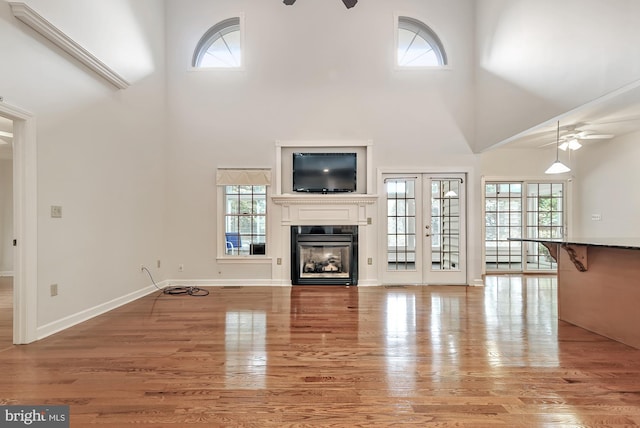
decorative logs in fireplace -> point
(324, 255)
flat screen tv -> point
(324, 172)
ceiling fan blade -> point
(596, 137)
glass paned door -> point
(545, 214)
(517, 209)
(425, 223)
(503, 220)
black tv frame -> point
(323, 186)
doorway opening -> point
(425, 232)
(25, 223)
(6, 233)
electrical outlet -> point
(56, 211)
(596, 217)
(180, 267)
(54, 290)
(279, 261)
(370, 261)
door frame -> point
(467, 172)
(568, 217)
(25, 223)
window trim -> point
(433, 36)
(205, 42)
(221, 253)
(567, 212)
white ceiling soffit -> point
(34, 20)
(613, 114)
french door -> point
(522, 209)
(425, 229)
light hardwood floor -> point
(6, 312)
(333, 357)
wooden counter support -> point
(577, 255)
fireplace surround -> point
(324, 255)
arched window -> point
(220, 46)
(418, 45)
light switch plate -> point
(56, 211)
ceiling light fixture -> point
(557, 167)
(348, 3)
(572, 144)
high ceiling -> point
(610, 116)
(614, 115)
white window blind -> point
(243, 177)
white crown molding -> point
(30, 17)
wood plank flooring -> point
(6, 312)
(333, 357)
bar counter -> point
(599, 284)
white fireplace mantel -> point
(329, 209)
(325, 199)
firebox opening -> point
(324, 255)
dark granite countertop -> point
(627, 243)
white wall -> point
(6, 216)
(519, 162)
(313, 71)
(539, 59)
(606, 183)
(135, 189)
(100, 154)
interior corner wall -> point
(539, 59)
(100, 156)
(605, 185)
(6, 216)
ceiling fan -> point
(348, 3)
(572, 136)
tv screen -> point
(324, 172)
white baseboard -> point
(6, 273)
(87, 314)
(477, 283)
(368, 282)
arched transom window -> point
(220, 46)
(418, 45)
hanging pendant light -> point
(557, 167)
